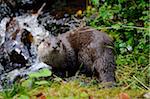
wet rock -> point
(58, 26)
(147, 95)
(22, 31)
(38, 66)
(1, 69)
(7, 79)
(3, 29)
(21, 4)
(15, 50)
(5, 11)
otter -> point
(87, 46)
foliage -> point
(127, 21)
(9, 93)
(21, 89)
(35, 78)
(71, 90)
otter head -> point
(52, 51)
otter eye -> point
(58, 43)
(48, 44)
(42, 40)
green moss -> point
(74, 90)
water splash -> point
(3, 29)
(11, 45)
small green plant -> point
(16, 88)
(21, 90)
(127, 22)
(35, 78)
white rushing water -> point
(3, 29)
(28, 22)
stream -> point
(21, 31)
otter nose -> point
(54, 47)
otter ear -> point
(43, 40)
(59, 35)
(50, 36)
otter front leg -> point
(84, 59)
(71, 63)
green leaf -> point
(84, 94)
(131, 24)
(148, 72)
(121, 1)
(116, 26)
(27, 83)
(122, 45)
(117, 8)
(106, 13)
(141, 59)
(57, 79)
(23, 97)
(41, 73)
(95, 2)
(44, 82)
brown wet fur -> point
(78, 39)
(90, 47)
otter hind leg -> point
(105, 66)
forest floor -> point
(72, 89)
